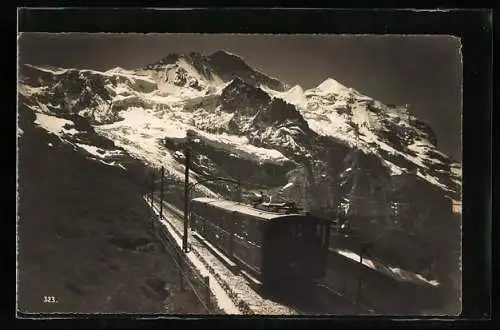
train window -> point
(206, 212)
(222, 220)
(243, 226)
(228, 221)
(254, 232)
(251, 230)
(235, 219)
(237, 223)
(214, 216)
(217, 216)
(231, 223)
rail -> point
(184, 276)
(184, 269)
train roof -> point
(243, 208)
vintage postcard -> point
(181, 174)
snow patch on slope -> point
(55, 125)
(294, 95)
(49, 69)
(141, 133)
(395, 272)
(142, 130)
(98, 152)
(241, 146)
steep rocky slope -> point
(84, 238)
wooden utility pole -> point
(152, 198)
(161, 191)
(186, 198)
(305, 188)
(146, 192)
(152, 187)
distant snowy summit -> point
(332, 86)
(202, 71)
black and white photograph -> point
(239, 174)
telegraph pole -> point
(152, 191)
(188, 187)
(146, 191)
(186, 196)
(152, 197)
(161, 191)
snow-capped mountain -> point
(198, 72)
(246, 125)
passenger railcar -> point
(271, 246)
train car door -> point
(277, 252)
(322, 239)
(311, 241)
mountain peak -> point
(221, 66)
(116, 69)
(168, 59)
(295, 96)
(225, 59)
(296, 89)
(223, 52)
(173, 57)
(228, 65)
(239, 90)
(331, 85)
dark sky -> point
(422, 71)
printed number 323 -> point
(49, 299)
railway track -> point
(316, 299)
(338, 304)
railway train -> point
(274, 247)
